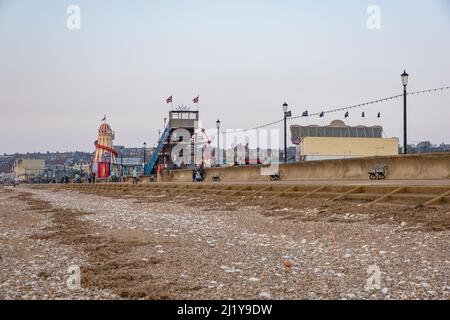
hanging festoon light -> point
(337, 110)
(363, 114)
(346, 115)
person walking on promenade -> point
(135, 176)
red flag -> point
(195, 100)
(169, 99)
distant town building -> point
(182, 125)
(5, 178)
(127, 165)
(6, 163)
(51, 158)
(28, 169)
(443, 147)
(428, 147)
(133, 152)
(339, 140)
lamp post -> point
(286, 115)
(65, 174)
(405, 83)
(218, 145)
(143, 167)
(121, 162)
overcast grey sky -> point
(244, 58)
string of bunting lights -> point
(321, 114)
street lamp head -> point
(145, 144)
(285, 107)
(218, 124)
(405, 78)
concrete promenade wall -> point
(402, 167)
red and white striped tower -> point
(104, 145)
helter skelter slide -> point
(151, 164)
(105, 155)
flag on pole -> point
(169, 99)
(104, 118)
(195, 100)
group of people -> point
(91, 177)
(198, 174)
(135, 174)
